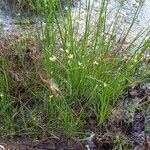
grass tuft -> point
(51, 90)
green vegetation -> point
(41, 6)
(52, 83)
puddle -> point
(5, 16)
(126, 14)
(10, 23)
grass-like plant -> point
(79, 73)
(40, 6)
(94, 69)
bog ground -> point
(75, 75)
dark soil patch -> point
(62, 143)
(129, 123)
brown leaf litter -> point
(52, 85)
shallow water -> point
(12, 23)
(5, 15)
(8, 21)
(125, 18)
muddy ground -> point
(128, 126)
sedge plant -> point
(80, 72)
(90, 69)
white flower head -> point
(79, 63)
(66, 8)
(147, 38)
(105, 84)
(125, 58)
(1, 95)
(67, 51)
(53, 58)
(136, 4)
(95, 63)
(70, 56)
(51, 96)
